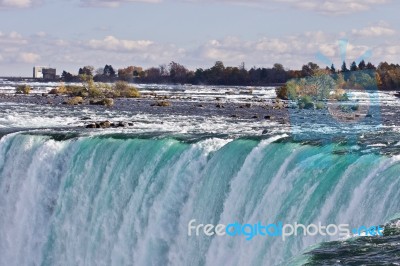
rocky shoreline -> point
(375, 127)
(254, 110)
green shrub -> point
(319, 106)
(288, 91)
(123, 89)
(108, 102)
(306, 102)
(23, 89)
(343, 98)
(121, 85)
(130, 93)
(95, 92)
(73, 91)
(282, 92)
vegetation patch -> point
(75, 101)
(23, 89)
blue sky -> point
(72, 33)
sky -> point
(69, 34)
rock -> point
(369, 116)
(267, 117)
(105, 124)
(121, 124)
(254, 116)
(105, 102)
(220, 105)
(234, 115)
(85, 118)
(91, 126)
(248, 92)
(130, 124)
(265, 131)
(108, 102)
(53, 91)
(75, 101)
(162, 104)
(247, 105)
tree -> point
(126, 74)
(362, 65)
(344, 67)
(109, 71)
(164, 70)
(177, 72)
(153, 75)
(333, 69)
(309, 69)
(370, 66)
(86, 70)
(353, 66)
(67, 77)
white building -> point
(38, 72)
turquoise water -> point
(128, 201)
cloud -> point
(41, 34)
(22, 52)
(374, 31)
(28, 57)
(337, 7)
(111, 43)
(292, 51)
(112, 3)
(13, 38)
(330, 7)
(18, 3)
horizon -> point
(195, 34)
(322, 67)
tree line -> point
(387, 75)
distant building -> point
(49, 73)
(40, 72)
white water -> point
(104, 201)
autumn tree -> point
(309, 69)
(177, 72)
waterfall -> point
(127, 201)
